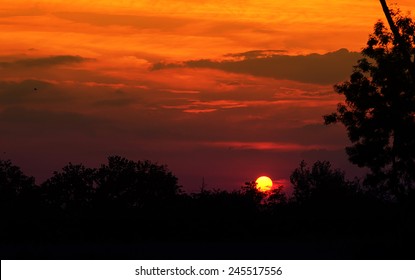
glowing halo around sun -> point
(263, 183)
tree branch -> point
(391, 23)
(398, 39)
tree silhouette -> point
(13, 183)
(271, 198)
(321, 182)
(72, 187)
(400, 41)
(135, 184)
(251, 193)
(277, 196)
(379, 113)
(328, 216)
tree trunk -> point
(391, 23)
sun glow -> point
(263, 183)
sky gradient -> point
(221, 90)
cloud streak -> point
(270, 146)
(328, 68)
(45, 61)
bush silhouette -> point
(320, 183)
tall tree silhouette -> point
(379, 112)
(135, 184)
(13, 182)
(72, 187)
(400, 40)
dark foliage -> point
(321, 183)
(72, 187)
(13, 183)
(12, 180)
(123, 183)
(128, 209)
(379, 113)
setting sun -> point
(263, 183)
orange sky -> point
(181, 29)
(186, 83)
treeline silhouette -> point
(136, 209)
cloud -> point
(254, 54)
(189, 132)
(270, 146)
(327, 68)
(120, 102)
(23, 92)
(20, 12)
(40, 124)
(198, 111)
(45, 61)
(182, 91)
(185, 24)
(139, 22)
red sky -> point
(225, 90)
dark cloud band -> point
(326, 68)
(45, 61)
